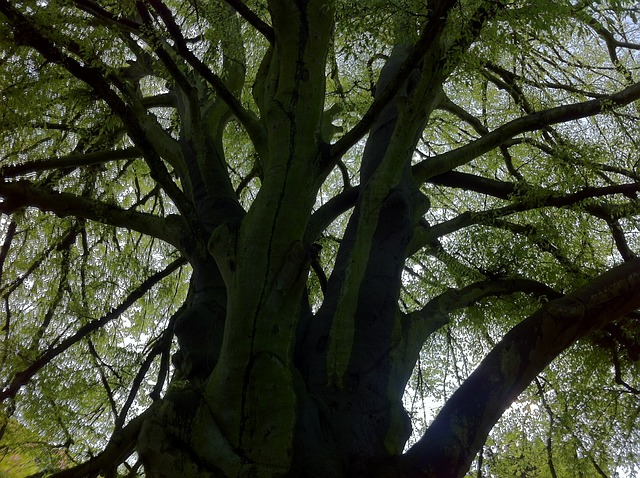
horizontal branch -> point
(541, 196)
(444, 162)
(70, 161)
(17, 194)
(523, 198)
(22, 378)
(436, 312)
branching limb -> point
(120, 446)
(521, 201)
(441, 163)
(27, 33)
(6, 244)
(437, 310)
(329, 211)
(99, 364)
(245, 117)
(162, 347)
(448, 105)
(620, 239)
(460, 429)
(22, 193)
(551, 415)
(21, 378)
(617, 367)
(612, 47)
(419, 325)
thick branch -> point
(460, 429)
(455, 299)
(70, 161)
(19, 194)
(463, 155)
(435, 314)
(329, 211)
(524, 198)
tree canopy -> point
(314, 238)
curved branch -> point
(531, 199)
(436, 312)
(120, 446)
(161, 347)
(460, 429)
(612, 45)
(22, 193)
(544, 197)
(419, 325)
(22, 378)
(442, 163)
(329, 211)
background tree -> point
(234, 233)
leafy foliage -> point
(133, 133)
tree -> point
(234, 231)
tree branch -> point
(120, 446)
(463, 155)
(435, 313)
(248, 121)
(26, 33)
(22, 378)
(123, 23)
(70, 161)
(23, 193)
(460, 429)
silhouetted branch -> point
(461, 427)
(22, 193)
(21, 378)
(444, 162)
(70, 161)
(254, 20)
